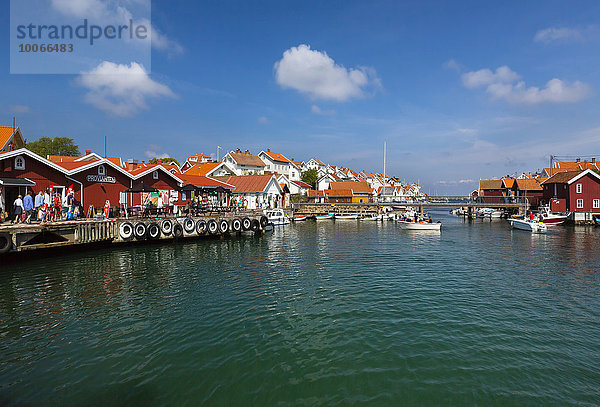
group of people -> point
(45, 207)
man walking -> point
(39, 201)
(28, 207)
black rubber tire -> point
(153, 231)
(236, 225)
(264, 221)
(201, 227)
(166, 227)
(213, 227)
(140, 230)
(177, 231)
(223, 226)
(246, 223)
(126, 230)
(188, 225)
(255, 225)
(5, 242)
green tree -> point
(57, 146)
(164, 160)
(310, 177)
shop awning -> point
(16, 182)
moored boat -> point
(373, 218)
(409, 225)
(347, 216)
(326, 216)
(300, 218)
(552, 218)
(528, 225)
(276, 217)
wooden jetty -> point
(29, 237)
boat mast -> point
(384, 177)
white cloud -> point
(483, 77)
(317, 110)
(504, 84)
(262, 120)
(452, 64)
(105, 11)
(121, 90)
(21, 109)
(553, 34)
(315, 74)
(152, 151)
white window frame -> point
(101, 170)
(19, 163)
(578, 188)
(580, 204)
(155, 174)
(596, 204)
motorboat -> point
(277, 217)
(490, 213)
(419, 225)
(552, 218)
(347, 216)
(373, 218)
(529, 225)
(326, 216)
(299, 218)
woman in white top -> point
(18, 209)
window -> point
(19, 163)
(596, 203)
(101, 170)
(578, 188)
(580, 204)
(155, 175)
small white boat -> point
(552, 218)
(528, 225)
(347, 216)
(277, 217)
(373, 218)
(419, 225)
(327, 216)
(300, 218)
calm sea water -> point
(328, 313)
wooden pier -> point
(29, 237)
(372, 208)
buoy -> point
(223, 226)
(177, 231)
(213, 227)
(189, 225)
(166, 227)
(201, 227)
(5, 242)
(264, 221)
(126, 230)
(140, 231)
(246, 224)
(153, 231)
(236, 225)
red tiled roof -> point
(250, 183)
(202, 169)
(301, 184)
(142, 168)
(358, 187)
(5, 133)
(314, 194)
(61, 158)
(201, 155)
(528, 184)
(277, 157)
(339, 193)
(202, 181)
(562, 177)
(71, 165)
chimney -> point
(268, 150)
(160, 161)
(579, 160)
(88, 152)
(593, 160)
(247, 152)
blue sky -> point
(459, 90)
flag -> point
(51, 189)
(71, 189)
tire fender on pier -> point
(140, 231)
(188, 225)
(166, 227)
(126, 230)
(177, 231)
(153, 231)
(5, 242)
(223, 226)
(213, 227)
(255, 225)
(264, 221)
(236, 225)
(201, 227)
(246, 223)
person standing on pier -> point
(17, 210)
(28, 207)
(39, 201)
